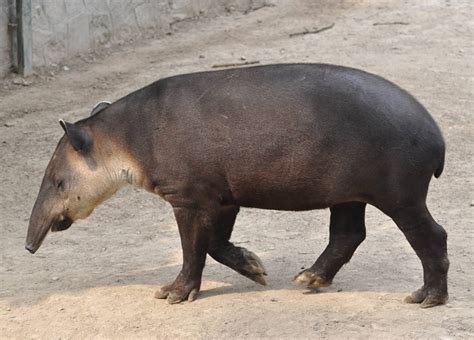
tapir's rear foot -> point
(427, 299)
(177, 292)
(241, 260)
(311, 279)
(428, 239)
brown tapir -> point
(284, 137)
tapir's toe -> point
(163, 292)
(254, 264)
(416, 297)
(253, 268)
(311, 279)
(180, 295)
(176, 293)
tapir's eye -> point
(60, 185)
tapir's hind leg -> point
(346, 232)
(239, 259)
(428, 239)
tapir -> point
(283, 137)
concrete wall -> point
(65, 28)
(5, 44)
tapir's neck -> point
(119, 162)
(123, 173)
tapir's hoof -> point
(426, 299)
(311, 280)
(174, 294)
(253, 268)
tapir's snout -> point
(35, 237)
(31, 248)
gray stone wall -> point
(65, 28)
(5, 44)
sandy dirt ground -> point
(98, 278)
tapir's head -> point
(78, 178)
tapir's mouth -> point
(62, 224)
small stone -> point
(273, 300)
(55, 278)
(202, 56)
(65, 68)
(8, 125)
(61, 309)
(339, 290)
(243, 58)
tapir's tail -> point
(439, 169)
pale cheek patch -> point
(96, 191)
(112, 167)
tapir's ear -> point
(78, 137)
(99, 107)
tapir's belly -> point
(283, 198)
(297, 179)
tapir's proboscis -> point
(284, 137)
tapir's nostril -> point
(30, 248)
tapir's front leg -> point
(195, 226)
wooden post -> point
(24, 37)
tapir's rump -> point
(285, 137)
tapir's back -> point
(293, 100)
